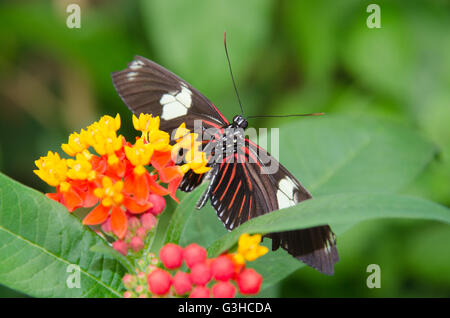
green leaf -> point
(39, 239)
(182, 214)
(203, 227)
(108, 250)
(340, 211)
(164, 219)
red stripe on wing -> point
(220, 114)
(242, 204)
(229, 182)
(234, 196)
(250, 207)
(249, 182)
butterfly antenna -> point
(293, 115)
(231, 72)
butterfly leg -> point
(211, 176)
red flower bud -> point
(200, 292)
(140, 289)
(128, 236)
(136, 243)
(222, 268)
(159, 282)
(133, 223)
(148, 221)
(141, 232)
(159, 203)
(249, 281)
(182, 283)
(127, 294)
(171, 255)
(223, 290)
(141, 276)
(121, 247)
(200, 274)
(129, 281)
(194, 254)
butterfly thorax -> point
(224, 146)
(239, 122)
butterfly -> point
(240, 187)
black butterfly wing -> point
(190, 181)
(246, 188)
(146, 87)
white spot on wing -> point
(173, 110)
(135, 65)
(184, 97)
(327, 247)
(132, 75)
(285, 193)
(166, 99)
(176, 104)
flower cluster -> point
(122, 180)
(205, 277)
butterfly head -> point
(240, 121)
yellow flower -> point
(249, 248)
(51, 169)
(139, 155)
(76, 144)
(146, 123)
(181, 132)
(149, 126)
(160, 140)
(81, 168)
(64, 186)
(195, 159)
(189, 141)
(110, 193)
(103, 138)
(110, 123)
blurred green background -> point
(288, 57)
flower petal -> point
(71, 199)
(89, 199)
(141, 187)
(134, 206)
(54, 196)
(168, 174)
(119, 222)
(173, 186)
(161, 159)
(97, 215)
(155, 187)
